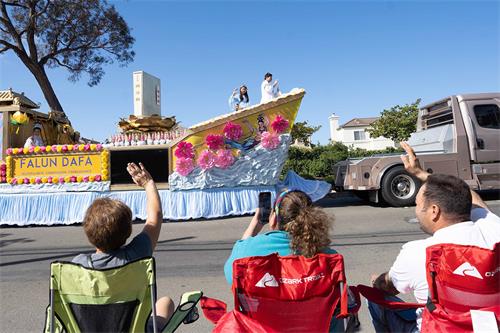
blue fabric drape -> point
(45, 208)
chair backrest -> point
(111, 300)
(290, 293)
(461, 279)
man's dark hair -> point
(267, 75)
(451, 194)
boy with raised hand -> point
(108, 224)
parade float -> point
(212, 169)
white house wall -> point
(346, 136)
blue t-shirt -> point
(261, 245)
(139, 247)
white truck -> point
(458, 135)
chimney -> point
(334, 127)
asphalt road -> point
(191, 255)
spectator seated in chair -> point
(108, 224)
(449, 211)
(296, 227)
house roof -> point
(359, 122)
(9, 97)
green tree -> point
(80, 36)
(302, 132)
(396, 123)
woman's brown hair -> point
(107, 224)
(307, 225)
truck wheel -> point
(399, 188)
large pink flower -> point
(224, 158)
(279, 124)
(184, 166)
(206, 160)
(184, 150)
(233, 131)
(269, 140)
(214, 141)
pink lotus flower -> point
(13, 181)
(184, 166)
(75, 147)
(61, 180)
(38, 180)
(206, 160)
(279, 124)
(49, 179)
(9, 151)
(26, 180)
(98, 147)
(64, 148)
(269, 140)
(224, 158)
(31, 149)
(72, 179)
(232, 131)
(3, 179)
(20, 151)
(43, 149)
(54, 148)
(214, 141)
(184, 150)
(97, 178)
(3, 173)
(86, 179)
(86, 147)
(3, 167)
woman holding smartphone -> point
(297, 227)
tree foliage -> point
(319, 162)
(302, 132)
(396, 123)
(80, 36)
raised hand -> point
(411, 162)
(139, 174)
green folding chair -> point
(119, 299)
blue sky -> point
(354, 58)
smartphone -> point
(265, 207)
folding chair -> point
(464, 282)
(119, 299)
(283, 294)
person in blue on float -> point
(238, 101)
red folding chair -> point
(283, 294)
(461, 278)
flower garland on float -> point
(48, 150)
(217, 155)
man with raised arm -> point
(449, 211)
(108, 224)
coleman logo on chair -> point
(267, 280)
(466, 269)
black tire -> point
(399, 188)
